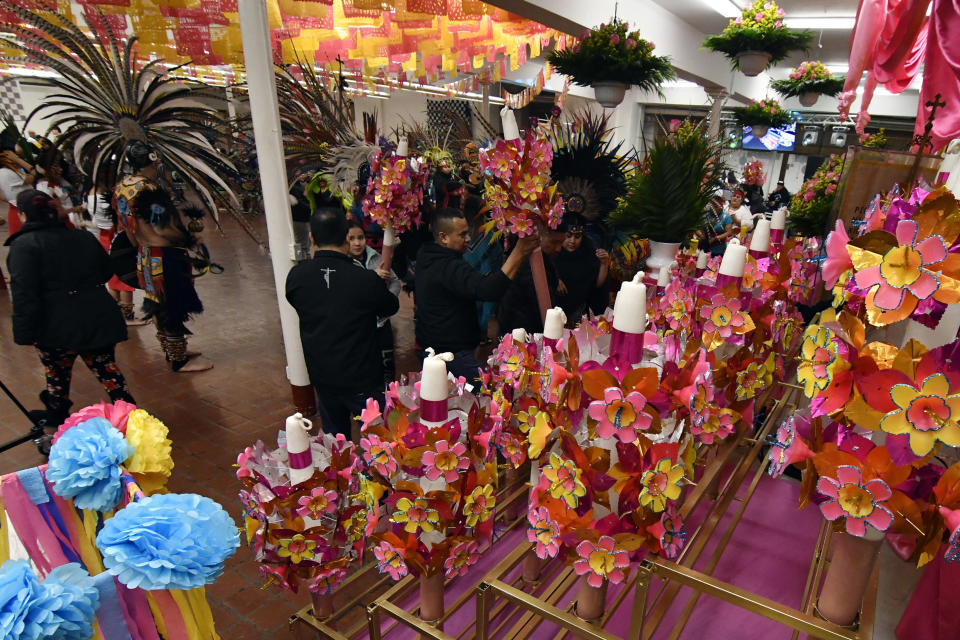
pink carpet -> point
(769, 554)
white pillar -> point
(262, 88)
(625, 121)
(719, 95)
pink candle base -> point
(433, 410)
(723, 280)
(628, 346)
(758, 254)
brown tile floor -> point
(212, 415)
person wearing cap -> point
(779, 197)
(582, 272)
(60, 305)
(146, 212)
(739, 212)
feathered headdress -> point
(103, 100)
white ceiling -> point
(831, 46)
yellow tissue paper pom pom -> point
(152, 461)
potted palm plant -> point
(610, 58)
(808, 81)
(758, 38)
(668, 195)
(762, 115)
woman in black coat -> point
(60, 305)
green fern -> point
(668, 195)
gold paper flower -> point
(926, 415)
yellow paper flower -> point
(415, 515)
(818, 359)
(296, 548)
(564, 477)
(660, 484)
(926, 415)
(355, 526)
(151, 462)
(478, 506)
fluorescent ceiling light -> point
(726, 8)
(820, 22)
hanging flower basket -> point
(758, 30)
(762, 115)
(807, 82)
(752, 63)
(610, 58)
(609, 94)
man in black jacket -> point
(447, 289)
(338, 302)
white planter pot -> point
(752, 63)
(809, 98)
(759, 130)
(609, 94)
(661, 255)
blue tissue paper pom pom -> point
(172, 541)
(18, 588)
(85, 464)
(64, 607)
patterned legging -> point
(58, 367)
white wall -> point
(32, 96)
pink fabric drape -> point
(941, 73)
(933, 612)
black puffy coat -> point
(57, 278)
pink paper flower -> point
(787, 449)
(390, 561)
(544, 531)
(859, 502)
(620, 416)
(319, 501)
(838, 258)
(325, 581)
(462, 556)
(722, 315)
(602, 561)
(445, 461)
(615, 39)
(669, 532)
(116, 414)
(903, 268)
(378, 455)
(370, 412)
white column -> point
(719, 95)
(262, 88)
(624, 121)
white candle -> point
(761, 236)
(630, 307)
(510, 129)
(779, 219)
(402, 147)
(734, 259)
(519, 335)
(553, 324)
(298, 441)
(663, 278)
(433, 378)
(702, 258)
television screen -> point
(775, 140)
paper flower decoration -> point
(390, 561)
(669, 532)
(297, 548)
(85, 465)
(61, 608)
(818, 359)
(722, 316)
(563, 479)
(326, 580)
(601, 561)
(859, 502)
(837, 262)
(116, 414)
(660, 484)
(151, 462)
(319, 502)
(544, 532)
(753, 173)
(755, 377)
(519, 190)
(619, 415)
(168, 541)
(462, 556)
(903, 269)
(415, 515)
(787, 449)
(445, 461)
(478, 507)
(718, 425)
(378, 455)
(927, 414)
(394, 193)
